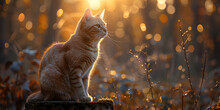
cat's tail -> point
(35, 96)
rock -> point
(70, 105)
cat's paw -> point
(82, 99)
(86, 99)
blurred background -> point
(145, 36)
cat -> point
(65, 67)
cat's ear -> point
(101, 14)
(87, 15)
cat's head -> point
(93, 26)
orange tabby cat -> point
(65, 67)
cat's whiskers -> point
(115, 42)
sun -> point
(94, 4)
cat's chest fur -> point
(80, 58)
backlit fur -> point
(65, 67)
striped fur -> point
(65, 67)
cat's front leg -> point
(86, 83)
(78, 88)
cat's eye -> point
(98, 25)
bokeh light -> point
(113, 72)
(178, 48)
(157, 37)
(209, 6)
(161, 6)
(189, 28)
(184, 2)
(30, 36)
(170, 2)
(42, 23)
(59, 12)
(163, 18)
(180, 67)
(200, 28)
(126, 14)
(119, 32)
(28, 25)
(143, 27)
(161, 1)
(110, 5)
(21, 17)
(120, 24)
(148, 36)
(6, 45)
(171, 9)
(123, 76)
(183, 70)
(7, 1)
(43, 8)
(191, 48)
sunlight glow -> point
(94, 4)
(110, 5)
(139, 53)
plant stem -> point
(151, 90)
(182, 100)
(151, 87)
(187, 64)
(203, 75)
(16, 83)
